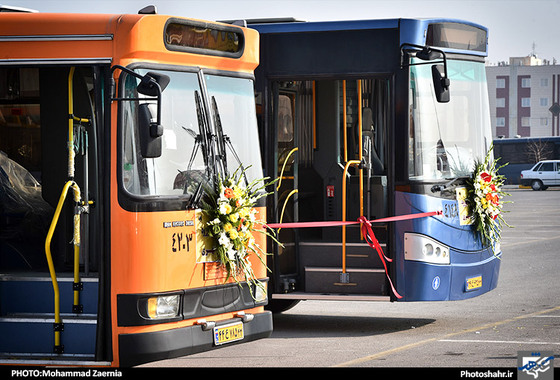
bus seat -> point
(24, 217)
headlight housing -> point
(163, 306)
(419, 247)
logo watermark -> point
(535, 365)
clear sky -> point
(515, 25)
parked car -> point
(544, 174)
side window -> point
(547, 167)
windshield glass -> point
(447, 138)
(183, 164)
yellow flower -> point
(234, 217)
(225, 208)
(227, 227)
(237, 191)
(233, 234)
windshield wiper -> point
(442, 163)
(223, 140)
(444, 187)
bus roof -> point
(35, 38)
(412, 31)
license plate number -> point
(228, 333)
(474, 283)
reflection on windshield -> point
(182, 167)
(447, 138)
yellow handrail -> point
(50, 233)
(77, 211)
(284, 166)
(294, 191)
(348, 164)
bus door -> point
(50, 206)
(329, 133)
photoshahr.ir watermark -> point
(487, 374)
(535, 365)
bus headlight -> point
(163, 306)
(261, 292)
(419, 247)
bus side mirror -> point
(441, 83)
(150, 133)
(149, 84)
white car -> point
(544, 174)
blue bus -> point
(373, 119)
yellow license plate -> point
(474, 283)
(228, 333)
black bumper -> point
(136, 349)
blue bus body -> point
(324, 73)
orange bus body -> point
(144, 258)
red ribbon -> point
(345, 223)
(367, 232)
(372, 241)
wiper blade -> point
(224, 140)
(444, 186)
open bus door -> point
(51, 204)
(320, 126)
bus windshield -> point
(447, 138)
(183, 163)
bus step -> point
(323, 254)
(355, 281)
(33, 334)
(33, 293)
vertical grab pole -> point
(360, 148)
(344, 276)
(344, 120)
(76, 286)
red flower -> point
(486, 177)
(228, 193)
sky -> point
(517, 28)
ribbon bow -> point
(367, 232)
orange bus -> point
(113, 132)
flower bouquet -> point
(485, 200)
(232, 220)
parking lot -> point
(521, 314)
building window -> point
(526, 82)
(544, 82)
(525, 121)
(500, 122)
(544, 102)
(544, 121)
(525, 102)
(501, 83)
(500, 102)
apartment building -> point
(524, 98)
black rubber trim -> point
(141, 348)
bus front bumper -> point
(141, 348)
(430, 282)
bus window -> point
(156, 176)
(285, 119)
(234, 102)
(445, 141)
(182, 164)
